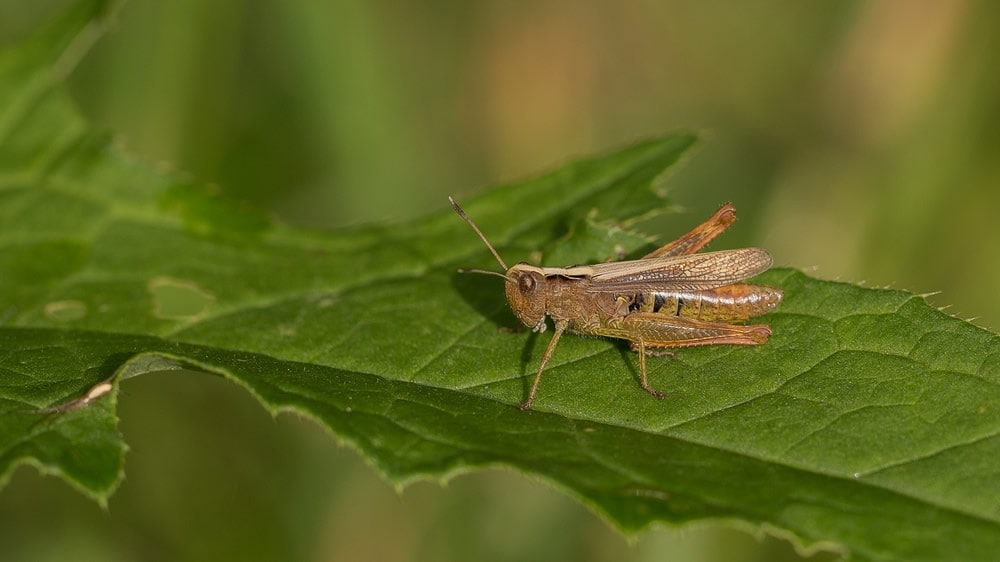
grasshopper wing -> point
(693, 272)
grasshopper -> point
(671, 297)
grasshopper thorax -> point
(525, 288)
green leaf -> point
(869, 419)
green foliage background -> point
(857, 138)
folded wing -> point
(692, 272)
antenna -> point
(466, 218)
(483, 271)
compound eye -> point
(526, 283)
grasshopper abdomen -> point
(730, 303)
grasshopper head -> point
(524, 283)
(525, 289)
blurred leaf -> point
(869, 419)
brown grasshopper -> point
(671, 297)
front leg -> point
(560, 328)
